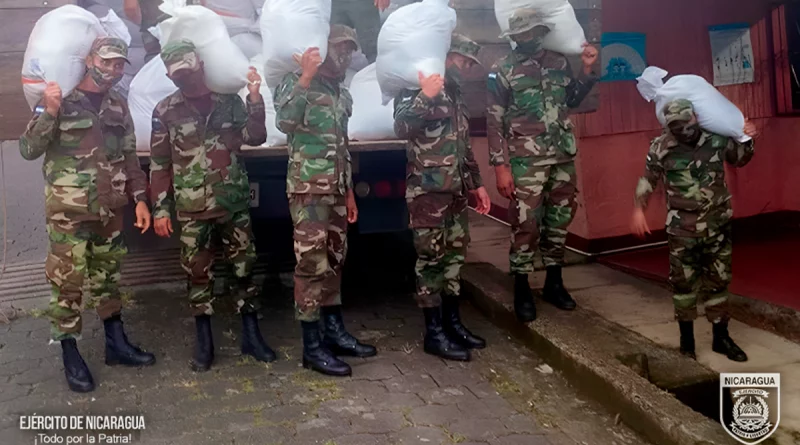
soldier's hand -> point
(309, 64)
(639, 225)
(431, 85)
(352, 209)
(142, 216)
(52, 98)
(163, 227)
(505, 181)
(253, 82)
(382, 4)
(750, 129)
(484, 202)
(589, 57)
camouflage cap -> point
(180, 55)
(461, 44)
(342, 33)
(110, 48)
(678, 110)
(525, 20)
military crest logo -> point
(750, 405)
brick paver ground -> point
(403, 396)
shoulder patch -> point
(157, 125)
(492, 76)
(38, 110)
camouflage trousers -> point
(320, 246)
(77, 251)
(441, 234)
(364, 17)
(700, 268)
(197, 259)
(543, 207)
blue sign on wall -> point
(623, 55)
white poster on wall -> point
(732, 54)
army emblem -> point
(750, 405)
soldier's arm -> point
(473, 172)
(290, 100)
(653, 172)
(739, 154)
(579, 87)
(498, 96)
(411, 109)
(39, 135)
(254, 132)
(161, 192)
(136, 185)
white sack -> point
(225, 65)
(415, 38)
(147, 89)
(715, 113)
(371, 121)
(58, 46)
(290, 27)
(274, 136)
(566, 37)
(239, 16)
(250, 44)
(359, 63)
(394, 6)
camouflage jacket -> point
(315, 121)
(439, 151)
(528, 100)
(90, 166)
(194, 159)
(698, 201)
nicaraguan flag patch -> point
(38, 110)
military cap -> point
(110, 48)
(461, 44)
(178, 55)
(342, 33)
(678, 110)
(525, 20)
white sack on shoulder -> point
(250, 44)
(415, 38)
(567, 35)
(290, 27)
(371, 121)
(57, 50)
(715, 113)
(224, 63)
(274, 136)
(148, 88)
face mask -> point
(340, 61)
(103, 79)
(529, 47)
(453, 74)
(191, 84)
(685, 132)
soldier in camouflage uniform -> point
(313, 109)
(532, 148)
(197, 176)
(441, 172)
(91, 172)
(690, 163)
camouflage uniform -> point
(528, 100)
(196, 170)
(91, 171)
(319, 176)
(699, 212)
(441, 169)
(364, 17)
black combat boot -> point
(454, 329)
(687, 338)
(554, 291)
(78, 376)
(253, 343)
(119, 351)
(204, 346)
(524, 306)
(317, 357)
(338, 340)
(436, 342)
(723, 344)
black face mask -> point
(530, 47)
(453, 74)
(191, 84)
(685, 132)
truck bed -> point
(282, 150)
